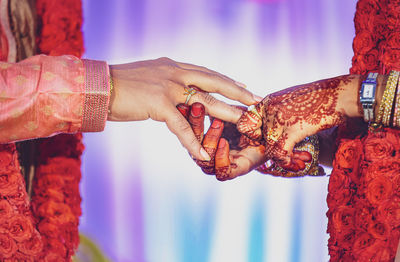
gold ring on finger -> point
(189, 91)
(253, 110)
(271, 135)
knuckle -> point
(209, 99)
(164, 59)
(185, 127)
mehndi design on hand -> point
(232, 154)
(290, 115)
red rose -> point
(340, 197)
(5, 210)
(363, 42)
(18, 257)
(379, 189)
(346, 240)
(393, 8)
(363, 24)
(362, 241)
(377, 148)
(391, 59)
(343, 218)
(389, 212)
(338, 180)
(357, 68)
(380, 26)
(20, 228)
(19, 200)
(379, 230)
(7, 161)
(370, 60)
(32, 246)
(394, 240)
(389, 168)
(10, 183)
(7, 246)
(348, 157)
(393, 40)
(363, 215)
(348, 153)
(368, 8)
(393, 136)
(392, 21)
(383, 253)
(377, 251)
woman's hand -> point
(285, 118)
(232, 154)
(152, 89)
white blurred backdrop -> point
(143, 197)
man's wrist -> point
(97, 96)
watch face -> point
(368, 91)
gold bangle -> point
(111, 86)
(396, 113)
(386, 105)
(111, 90)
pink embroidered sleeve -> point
(45, 95)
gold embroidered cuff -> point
(97, 96)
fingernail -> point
(216, 123)
(240, 84)
(204, 155)
(222, 143)
(257, 98)
(197, 109)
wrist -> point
(349, 99)
(351, 96)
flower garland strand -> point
(45, 229)
(56, 198)
(364, 187)
(19, 240)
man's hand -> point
(153, 89)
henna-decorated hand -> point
(232, 154)
(286, 117)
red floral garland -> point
(364, 187)
(19, 240)
(56, 198)
(45, 229)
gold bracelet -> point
(386, 105)
(111, 90)
(111, 85)
(396, 114)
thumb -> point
(178, 125)
(250, 122)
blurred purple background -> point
(143, 197)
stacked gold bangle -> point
(385, 108)
(396, 113)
